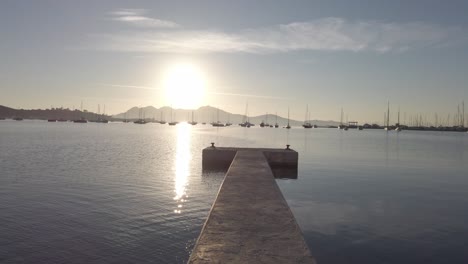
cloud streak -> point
(129, 86)
(326, 34)
(136, 17)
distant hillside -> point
(208, 114)
(54, 113)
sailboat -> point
(398, 127)
(307, 123)
(245, 119)
(276, 120)
(263, 124)
(172, 123)
(288, 126)
(161, 120)
(387, 127)
(341, 126)
(217, 123)
(141, 120)
(101, 119)
(82, 119)
(193, 122)
(228, 122)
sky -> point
(271, 55)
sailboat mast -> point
(247, 113)
(398, 115)
(341, 118)
(463, 112)
(388, 114)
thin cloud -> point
(248, 95)
(326, 34)
(136, 17)
(208, 92)
(129, 86)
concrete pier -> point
(250, 221)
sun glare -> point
(184, 86)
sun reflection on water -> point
(182, 163)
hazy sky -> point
(271, 54)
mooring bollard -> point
(212, 144)
(287, 147)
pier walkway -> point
(250, 221)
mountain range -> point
(208, 114)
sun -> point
(184, 85)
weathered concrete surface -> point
(222, 157)
(250, 221)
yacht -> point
(307, 123)
(288, 126)
(193, 122)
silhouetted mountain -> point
(208, 114)
(44, 114)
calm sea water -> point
(125, 193)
